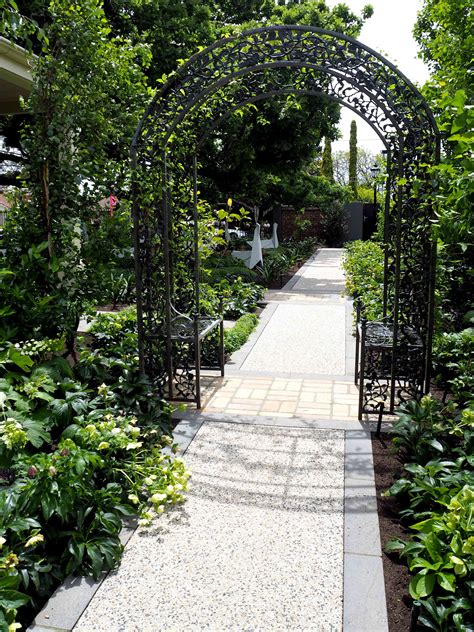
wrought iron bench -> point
(193, 331)
(386, 365)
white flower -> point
(35, 539)
(157, 498)
(2, 541)
(134, 445)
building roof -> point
(15, 76)
(4, 202)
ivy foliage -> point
(88, 92)
(445, 34)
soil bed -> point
(397, 576)
(283, 278)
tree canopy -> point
(259, 155)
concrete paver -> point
(331, 399)
(306, 331)
(295, 341)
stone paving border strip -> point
(267, 396)
(364, 588)
(66, 605)
(268, 420)
(231, 371)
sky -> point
(389, 32)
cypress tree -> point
(353, 158)
(327, 168)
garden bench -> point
(186, 330)
(380, 363)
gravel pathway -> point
(307, 331)
(257, 546)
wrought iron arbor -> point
(254, 65)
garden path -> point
(300, 360)
(280, 528)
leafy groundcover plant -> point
(81, 448)
(453, 357)
(238, 297)
(436, 442)
(234, 338)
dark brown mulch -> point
(7, 476)
(283, 279)
(397, 576)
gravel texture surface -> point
(302, 339)
(307, 331)
(324, 273)
(257, 546)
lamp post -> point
(375, 170)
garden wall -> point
(286, 216)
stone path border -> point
(364, 604)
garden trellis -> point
(211, 86)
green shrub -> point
(237, 336)
(275, 263)
(453, 363)
(114, 329)
(222, 266)
(363, 263)
(300, 249)
(333, 225)
(238, 297)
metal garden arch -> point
(394, 360)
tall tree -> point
(327, 168)
(87, 98)
(365, 162)
(353, 158)
(253, 153)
